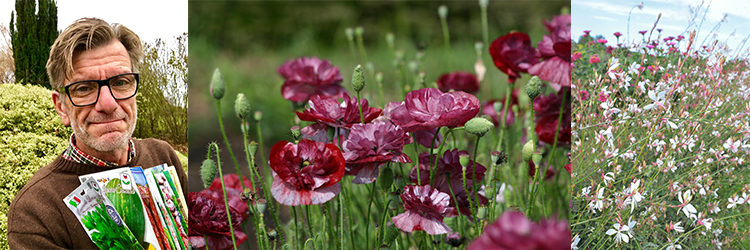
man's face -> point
(105, 126)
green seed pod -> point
(359, 31)
(242, 107)
(479, 47)
(537, 159)
(349, 34)
(386, 180)
(464, 160)
(379, 78)
(261, 205)
(528, 150)
(358, 78)
(258, 116)
(399, 55)
(391, 39)
(443, 11)
(208, 172)
(217, 87)
(534, 87)
(481, 212)
(478, 126)
(253, 147)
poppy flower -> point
(546, 115)
(234, 192)
(513, 54)
(430, 108)
(307, 173)
(449, 176)
(425, 208)
(341, 115)
(514, 231)
(208, 217)
(458, 81)
(426, 138)
(555, 50)
(316, 132)
(558, 21)
(307, 77)
(371, 145)
(488, 109)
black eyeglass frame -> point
(101, 83)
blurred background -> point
(249, 40)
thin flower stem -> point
(367, 222)
(471, 203)
(252, 180)
(473, 182)
(446, 41)
(359, 104)
(361, 46)
(434, 166)
(416, 154)
(226, 141)
(458, 210)
(224, 190)
(309, 225)
(504, 117)
(296, 226)
(205, 239)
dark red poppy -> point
(208, 217)
(234, 192)
(426, 138)
(430, 108)
(341, 115)
(546, 114)
(371, 145)
(449, 176)
(458, 81)
(513, 54)
(307, 173)
(307, 77)
(555, 50)
(425, 208)
(514, 231)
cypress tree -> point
(32, 33)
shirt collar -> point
(74, 154)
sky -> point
(151, 19)
(606, 17)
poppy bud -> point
(242, 107)
(478, 126)
(358, 78)
(386, 179)
(272, 234)
(253, 146)
(481, 212)
(443, 11)
(217, 86)
(537, 159)
(258, 116)
(498, 158)
(484, 3)
(534, 87)
(359, 31)
(463, 158)
(391, 39)
(349, 34)
(296, 134)
(528, 150)
(479, 46)
(208, 172)
(379, 78)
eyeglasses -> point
(85, 93)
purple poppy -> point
(316, 132)
(547, 112)
(513, 54)
(208, 217)
(430, 108)
(425, 208)
(426, 137)
(341, 115)
(307, 173)
(458, 81)
(555, 50)
(514, 231)
(234, 192)
(307, 77)
(371, 145)
(449, 176)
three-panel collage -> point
(380, 124)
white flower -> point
(688, 209)
(619, 235)
(574, 244)
(609, 176)
(678, 228)
(657, 98)
(734, 201)
(732, 146)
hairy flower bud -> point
(208, 172)
(217, 86)
(443, 11)
(534, 87)
(528, 150)
(390, 235)
(358, 78)
(258, 116)
(242, 107)
(296, 133)
(536, 159)
(478, 126)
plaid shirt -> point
(74, 154)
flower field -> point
(660, 143)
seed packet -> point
(99, 218)
(174, 227)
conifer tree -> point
(32, 33)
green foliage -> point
(32, 34)
(31, 135)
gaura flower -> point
(513, 54)
(546, 114)
(234, 192)
(425, 208)
(458, 81)
(208, 217)
(371, 145)
(555, 50)
(306, 173)
(430, 108)
(514, 231)
(341, 115)
(307, 77)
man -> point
(91, 67)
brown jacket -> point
(38, 218)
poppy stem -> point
(224, 190)
(359, 104)
(296, 226)
(504, 117)
(440, 149)
(309, 225)
(226, 141)
(367, 222)
(474, 182)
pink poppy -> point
(514, 231)
(547, 111)
(307, 77)
(557, 22)
(594, 59)
(555, 50)
(208, 217)
(430, 108)
(234, 192)
(307, 173)
(618, 34)
(513, 54)
(316, 132)
(643, 32)
(425, 208)
(458, 81)
(371, 145)
(341, 115)
(425, 138)
(602, 41)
